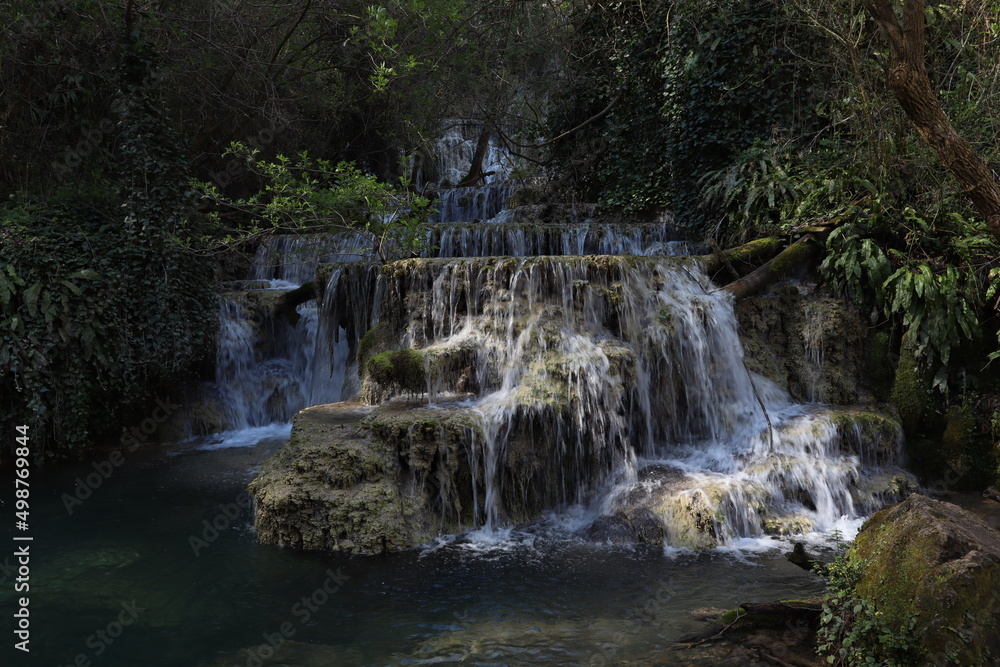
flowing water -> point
(629, 369)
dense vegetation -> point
(138, 139)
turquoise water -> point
(124, 563)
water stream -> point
(211, 597)
(628, 367)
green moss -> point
(791, 257)
(914, 561)
(754, 250)
(957, 437)
(730, 616)
(374, 341)
(910, 391)
(877, 355)
(402, 369)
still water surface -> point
(128, 554)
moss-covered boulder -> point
(334, 487)
(393, 372)
(934, 560)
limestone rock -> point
(936, 560)
(335, 487)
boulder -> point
(335, 487)
(941, 563)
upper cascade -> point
(475, 174)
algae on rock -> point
(940, 563)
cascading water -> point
(633, 374)
(263, 366)
(269, 363)
(578, 364)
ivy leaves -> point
(89, 325)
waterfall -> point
(572, 360)
(268, 367)
(619, 383)
(263, 366)
(503, 236)
(455, 149)
(292, 260)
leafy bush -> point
(852, 631)
(307, 195)
(933, 287)
(92, 324)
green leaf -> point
(31, 299)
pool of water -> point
(160, 566)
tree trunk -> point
(909, 83)
(476, 173)
(743, 257)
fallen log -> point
(743, 256)
(795, 608)
(804, 250)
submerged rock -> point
(934, 560)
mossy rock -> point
(940, 563)
(910, 391)
(376, 340)
(334, 487)
(394, 372)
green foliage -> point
(936, 301)
(104, 301)
(854, 264)
(753, 192)
(90, 326)
(852, 632)
(698, 83)
(307, 195)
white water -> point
(261, 363)
(650, 377)
(455, 149)
(509, 238)
(621, 382)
